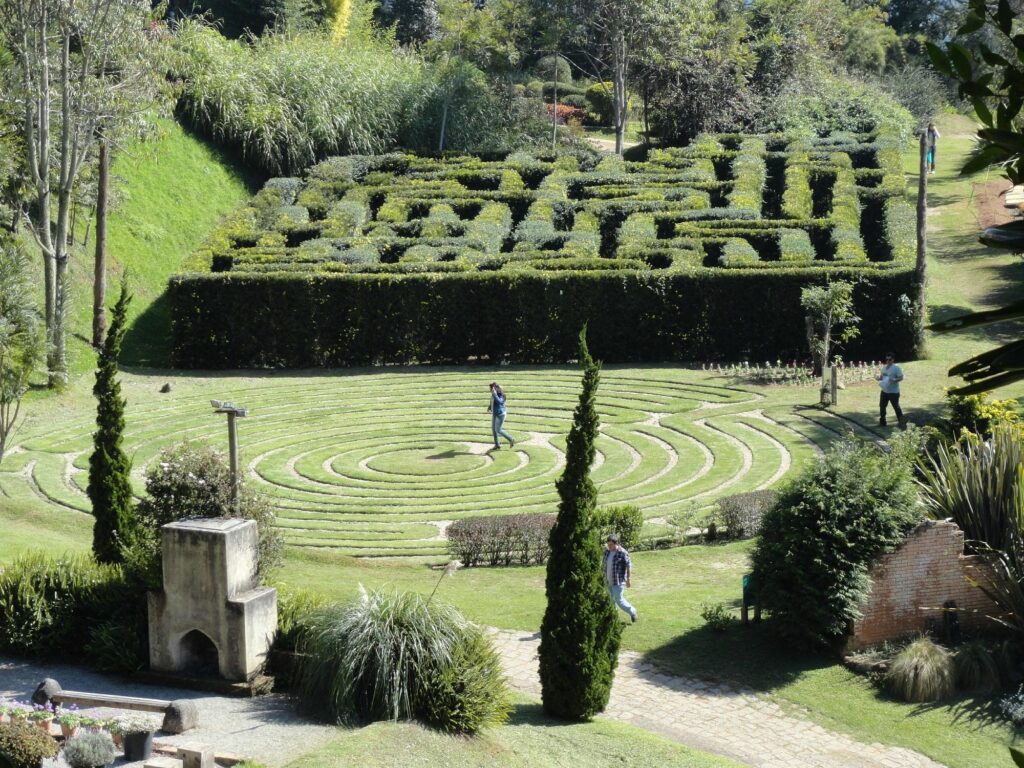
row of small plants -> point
(25, 739)
(504, 540)
(793, 373)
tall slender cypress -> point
(110, 489)
(580, 633)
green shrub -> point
(922, 672)
(370, 660)
(976, 668)
(284, 101)
(810, 565)
(194, 481)
(470, 694)
(600, 97)
(89, 750)
(626, 520)
(717, 616)
(25, 745)
(501, 540)
(50, 607)
(547, 67)
(741, 513)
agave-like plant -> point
(980, 485)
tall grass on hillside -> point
(285, 101)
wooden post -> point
(920, 270)
(233, 451)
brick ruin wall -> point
(911, 585)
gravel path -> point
(266, 729)
(713, 718)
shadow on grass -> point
(975, 710)
(752, 656)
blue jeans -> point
(619, 598)
(497, 422)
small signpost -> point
(234, 412)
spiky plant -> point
(580, 633)
(976, 668)
(109, 488)
(923, 671)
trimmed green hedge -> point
(400, 258)
(316, 319)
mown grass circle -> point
(377, 464)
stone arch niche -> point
(199, 654)
(211, 618)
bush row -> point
(504, 540)
(309, 320)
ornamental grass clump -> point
(922, 672)
(377, 659)
(976, 668)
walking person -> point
(617, 568)
(889, 379)
(932, 134)
(497, 411)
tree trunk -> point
(99, 285)
(920, 269)
(554, 108)
(619, 85)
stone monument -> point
(211, 618)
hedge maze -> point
(697, 252)
(377, 464)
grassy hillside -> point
(169, 192)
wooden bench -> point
(179, 716)
(84, 700)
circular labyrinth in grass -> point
(378, 463)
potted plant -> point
(69, 721)
(42, 716)
(18, 712)
(113, 727)
(90, 750)
(137, 729)
(24, 746)
(5, 709)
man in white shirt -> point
(889, 379)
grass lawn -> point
(530, 740)
(370, 462)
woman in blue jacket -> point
(497, 411)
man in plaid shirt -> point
(616, 567)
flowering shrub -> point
(563, 113)
(194, 480)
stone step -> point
(163, 762)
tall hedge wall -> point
(298, 321)
(697, 253)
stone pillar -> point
(211, 617)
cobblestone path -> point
(712, 717)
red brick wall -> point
(910, 586)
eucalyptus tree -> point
(75, 64)
(22, 340)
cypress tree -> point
(109, 488)
(580, 634)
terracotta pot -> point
(67, 731)
(44, 725)
(118, 740)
